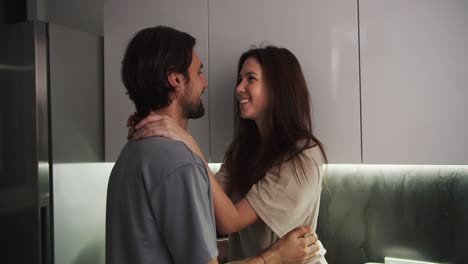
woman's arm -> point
(229, 217)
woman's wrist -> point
(271, 256)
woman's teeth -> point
(243, 101)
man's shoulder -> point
(155, 159)
(158, 148)
(165, 154)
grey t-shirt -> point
(159, 206)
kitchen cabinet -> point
(76, 78)
(414, 79)
(122, 19)
(388, 79)
(323, 36)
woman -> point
(272, 170)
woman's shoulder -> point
(311, 151)
(307, 157)
(304, 167)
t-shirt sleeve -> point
(288, 195)
(184, 213)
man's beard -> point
(191, 109)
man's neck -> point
(175, 114)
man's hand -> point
(297, 246)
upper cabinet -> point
(323, 36)
(414, 77)
(122, 19)
(389, 77)
(75, 87)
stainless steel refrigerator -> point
(25, 149)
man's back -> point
(159, 206)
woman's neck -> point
(261, 129)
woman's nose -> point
(240, 88)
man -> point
(159, 203)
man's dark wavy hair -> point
(151, 55)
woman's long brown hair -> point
(287, 120)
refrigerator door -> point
(24, 144)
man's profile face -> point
(191, 102)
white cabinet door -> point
(122, 19)
(414, 72)
(75, 87)
(322, 34)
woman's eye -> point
(251, 79)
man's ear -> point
(174, 79)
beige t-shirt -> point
(284, 199)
